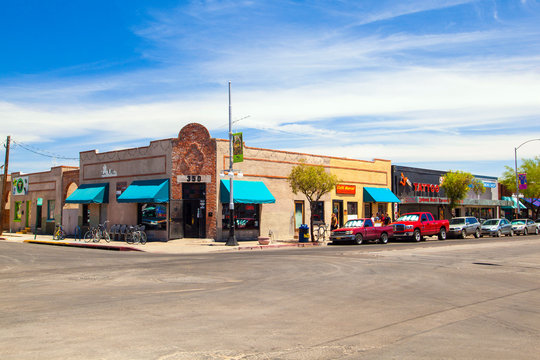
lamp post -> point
(517, 181)
(231, 241)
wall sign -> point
(20, 185)
(346, 189)
(108, 172)
(120, 188)
(194, 178)
(426, 187)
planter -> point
(263, 240)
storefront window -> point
(318, 213)
(153, 216)
(50, 209)
(85, 214)
(352, 210)
(17, 211)
(246, 216)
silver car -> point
(463, 226)
(524, 227)
(497, 227)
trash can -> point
(303, 233)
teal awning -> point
(513, 200)
(90, 194)
(146, 191)
(246, 192)
(382, 195)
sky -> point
(444, 85)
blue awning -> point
(90, 194)
(246, 192)
(146, 191)
(513, 200)
(382, 195)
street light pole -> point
(231, 241)
(517, 181)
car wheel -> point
(384, 238)
(477, 233)
(417, 236)
(358, 239)
(511, 232)
(463, 234)
(499, 233)
(442, 234)
(525, 232)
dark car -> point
(463, 226)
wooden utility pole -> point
(4, 187)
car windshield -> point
(491, 222)
(457, 221)
(518, 222)
(408, 217)
(354, 223)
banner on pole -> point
(522, 181)
(238, 148)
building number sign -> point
(194, 178)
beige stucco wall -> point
(273, 167)
(124, 167)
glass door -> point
(298, 215)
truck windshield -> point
(457, 221)
(408, 217)
(354, 223)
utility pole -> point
(231, 241)
(4, 186)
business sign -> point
(522, 181)
(346, 189)
(426, 187)
(20, 186)
(194, 179)
(238, 148)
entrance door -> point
(176, 224)
(298, 215)
(194, 210)
(27, 214)
(38, 216)
(337, 208)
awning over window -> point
(513, 200)
(246, 192)
(146, 191)
(90, 194)
(384, 195)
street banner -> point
(522, 181)
(238, 148)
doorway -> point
(194, 210)
(337, 208)
(38, 216)
(299, 215)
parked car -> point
(417, 225)
(497, 227)
(463, 226)
(360, 230)
(537, 221)
(524, 227)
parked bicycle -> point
(320, 233)
(136, 235)
(59, 233)
(96, 233)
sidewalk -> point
(180, 246)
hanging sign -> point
(238, 148)
(522, 181)
(20, 185)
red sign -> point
(426, 187)
(346, 189)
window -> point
(352, 208)
(153, 216)
(318, 213)
(85, 215)
(368, 223)
(246, 216)
(17, 216)
(424, 218)
(50, 209)
(430, 217)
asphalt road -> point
(454, 299)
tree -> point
(457, 184)
(531, 167)
(312, 181)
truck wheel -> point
(442, 234)
(417, 236)
(358, 239)
(477, 233)
(384, 238)
(463, 234)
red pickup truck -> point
(360, 230)
(419, 224)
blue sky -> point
(446, 85)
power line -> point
(41, 152)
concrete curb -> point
(262, 247)
(93, 246)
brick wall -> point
(68, 178)
(194, 153)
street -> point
(454, 299)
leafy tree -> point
(457, 184)
(312, 181)
(531, 167)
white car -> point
(524, 226)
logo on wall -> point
(522, 181)
(238, 148)
(108, 172)
(20, 186)
(405, 180)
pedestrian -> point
(387, 219)
(334, 223)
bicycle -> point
(96, 233)
(59, 233)
(136, 235)
(321, 233)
